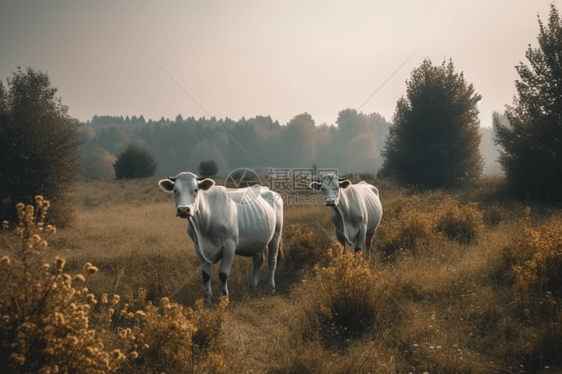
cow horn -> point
(173, 179)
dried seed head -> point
(79, 278)
(59, 261)
(5, 260)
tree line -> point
(353, 144)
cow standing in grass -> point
(223, 222)
(356, 210)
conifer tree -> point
(434, 139)
(531, 154)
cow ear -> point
(205, 184)
(167, 185)
(346, 183)
(316, 186)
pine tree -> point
(532, 141)
(434, 139)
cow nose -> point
(183, 212)
(330, 201)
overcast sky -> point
(262, 57)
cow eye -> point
(196, 190)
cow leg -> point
(226, 264)
(341, 240)
(206, 272)
(273, 250)
(257, 261)
(369, 244)
(360, 239)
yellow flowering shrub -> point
(538, 261)
(409, 223)
(44, 311)
(301, 248)
(172, 338)
(404, 226)
(461, 223)
(349, 299)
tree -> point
(208, 168)
(99, 165)
(134, 162)
(532, 141)
(39, 145)
(296, 141)
(434, 140)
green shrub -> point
(134, 162)
(208, 168)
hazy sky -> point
(263, 57)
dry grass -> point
(463, 281)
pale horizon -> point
(249, 58)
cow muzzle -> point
(330, 202)
(184, 212)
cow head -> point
(186, 188)
(330, 186)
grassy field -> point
(462, 281)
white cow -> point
(224, 222)
(357, 209)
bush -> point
(46, 316)
(39, 145)
(302, 249)
(134, 162)
(409, 224)
(208, 168)
(349, 300)
(44, 326)
(538, 261)
(99, 165)
(463, 224)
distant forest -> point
(352, 145)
